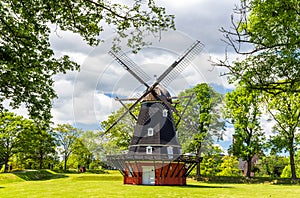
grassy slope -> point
(110, 185)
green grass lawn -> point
(49, 184)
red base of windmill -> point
(154, 169)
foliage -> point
(272, 165)
(37, 149)
(82, 154)
(13, 130)
(119, 137)
(266, 32)
(229, 167)
(201, 120)
(2, 170)
(92, 141)
(66, 137)
(286, 172)
(211, 161)
(284, 109)
(242, 110)
(27, 62)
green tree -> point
(12, 128)
(38, 147)
(229, 167)
(201, 121)
(266, 32)
(211, 161)
(286, 172)
(272, 165)
(285, 110)
(242, 110)
(27, 61)
(66, 137)
(119, 137)
(92, 141)
(82, 154)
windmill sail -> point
(131, 67)
(180, 64)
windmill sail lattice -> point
(131, 67)
(179, 65)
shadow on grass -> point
(204, 186)
(188, 186)
(98, 178)
(32, 175)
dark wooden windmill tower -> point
(154, 156)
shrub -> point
(2, 170)
(229, 167)
(286, 173)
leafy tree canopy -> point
(229, 167)
(13, 130)
(119, 137)
(267, 33)
(201, 120)
(284, 108)
(66, 136)
(27, 62)
(242, 110)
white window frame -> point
(165, 113)
(149, 150)
(150, 131)
(170, 152)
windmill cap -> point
(159, 90)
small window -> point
(149, 150)
(170, 152)
(165, 113)
(150, 131)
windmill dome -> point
(159, 90)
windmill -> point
(154, 156)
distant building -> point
(243, 165)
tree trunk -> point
(249, 167)
(292, 163)
(6, 164)
(65, 163)
(41, 160)
(198, 170)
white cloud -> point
(267, 125)
(228, 134)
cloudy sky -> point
(84, 98)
